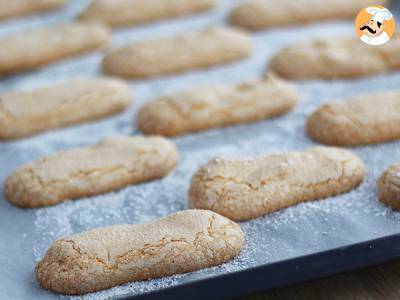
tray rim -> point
(292, 271)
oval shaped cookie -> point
(261, 14)
(190, 110)
(106, 166)
(210, 47)
(243, 189)
(389, 186)
(105, 257)
(24, 113)
(364, 119)
(335, 58)
(16, 8)
(23, 51)
(131, 12)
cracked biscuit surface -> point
(261, 14)
(117, 13)
(336, 58)
(16, 8)
(243, 189)
(184, 52)
(24, 113)
(360, 120)
(28, 50)
(190, 110)
(389, 187)
(105, 257)
(111, 164)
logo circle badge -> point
(375, 25)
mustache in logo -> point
(368, 28)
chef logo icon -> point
(375, 25)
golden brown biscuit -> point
(16, 8)
(243, 189)
(261, 14)
(24, 113)
(117, 13)
(216, 106)
(210, 47)
(105, 257)
(336, 58)
(111, 164)
(364, 119)
(31, 49)
(389, 186)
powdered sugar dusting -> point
(303, 229)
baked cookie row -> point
(24, 51)
(182, 242)
(261, 14)
(117, 162)
(363, 119)
(240, 189)
(16, 8)
(317, 59)
(110, 12)
(321, 58)
(24, 113)
(252, 15)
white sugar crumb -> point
(300, 230)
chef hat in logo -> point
(379, 14)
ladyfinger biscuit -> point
(336, 58)
(181, 53)
(105, 257)
(190, 110)
(16, 8)
(364, 119)
(243, 189)
(261, 14)
(106, 166)
(389, 187)
(117, 13)
(40, 46)
(25, 113)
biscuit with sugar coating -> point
(16, 8)
(118, 13)
(111, 164)
(24, 113)
(190, 110)
(31, 49)
(261, 14)
(184, 52)
(336, 58)
(105, 257)
(389, 187)
(360, 120)
(243, 189)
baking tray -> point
(295, 270)
(302, 242)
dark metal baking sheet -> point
(283, 273)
